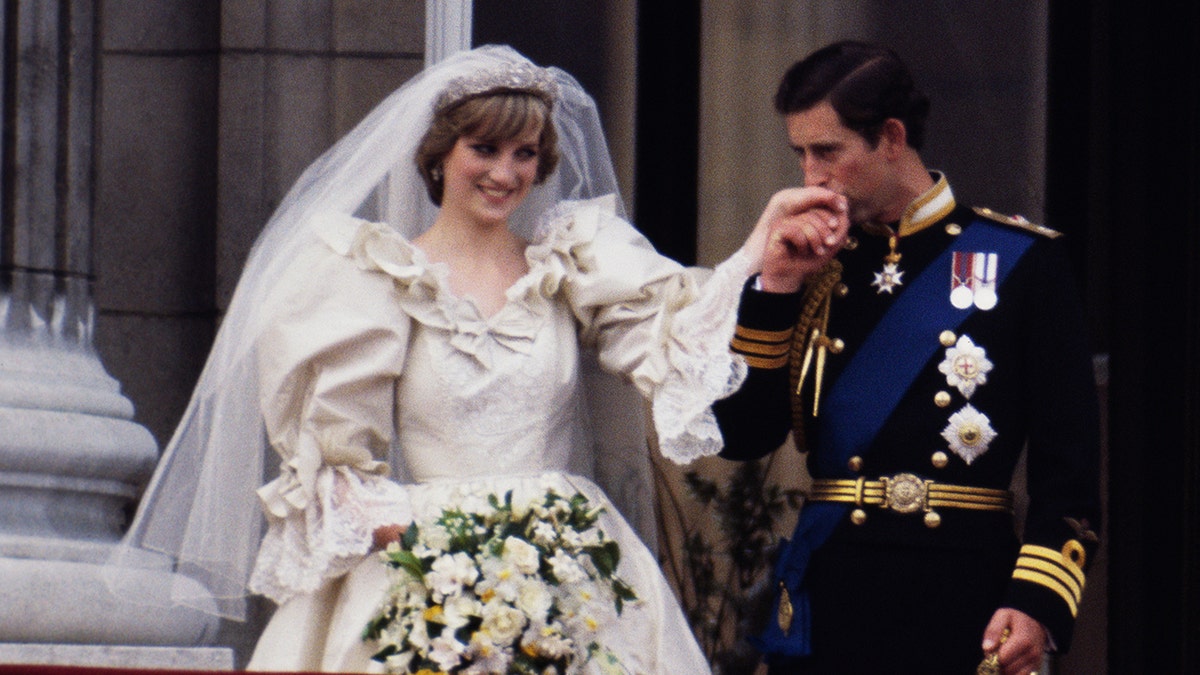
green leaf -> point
(383, 654)
(624, 591)
(408, 562)
(605, 557)
(375, 628)
(409, 538)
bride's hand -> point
(386, 534)
(799, 231)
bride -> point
(410, 333)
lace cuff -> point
(703, 369)
(328, 537)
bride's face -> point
(485, 181)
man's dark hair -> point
(865, 83)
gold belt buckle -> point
(905, 493)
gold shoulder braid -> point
(809, 340)
(1018, 222)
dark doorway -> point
(1124, 163)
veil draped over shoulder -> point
(201, 508)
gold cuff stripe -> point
(1055, 571)
(745, 347)
(784, 336)
(1054, 557)
(1050, 583)
(765, 364)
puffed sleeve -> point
(327, 368)
(664, 327)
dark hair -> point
(493, 117)
(866, 84)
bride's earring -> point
(436, 174)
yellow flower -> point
(433, 614)
(487, 595)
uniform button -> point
(855, 463)
(836, 346)
(851, 244)
(941, 399)
(858, 516)
(953, 229)
(947, 338)
(932, 519)
(939, 459)
(841, 290)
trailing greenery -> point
(728, 544)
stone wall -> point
(206, 113)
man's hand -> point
(1021, 653)
(803, 229)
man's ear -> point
(893, 137)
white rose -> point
(446, 652)
(522, 554)
(534, 599)
(450, 573)
(458, 610)
(502, 623)
(566, 570)
(544, 533)
(434, 537)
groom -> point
(913, 360)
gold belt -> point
(908, 493)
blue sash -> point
(858, 404)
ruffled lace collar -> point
(562, 248)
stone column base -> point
(117, 656)
(54, 593)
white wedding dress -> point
(387, 396)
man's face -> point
(835, 157)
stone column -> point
(72, 461)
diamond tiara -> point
(511, 77)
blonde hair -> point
(494, 118)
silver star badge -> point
(888, 279)
(966, 366)
(969, 433)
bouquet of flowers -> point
(501, 589)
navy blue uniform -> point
(893, 591)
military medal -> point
(984, 281)
(961, 295)
(889, 278)
(966, 366)
(973, 280)
(969, 433)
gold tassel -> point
(808, 355)
(808, 336)
(818, 343)
(786, 612)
